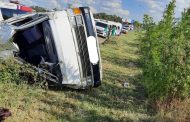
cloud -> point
(157, 7)
(154, 5)
(50, 4)
(111, 7)
(107, 6)
(181, 4)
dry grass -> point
(110, 102)
(175, 111)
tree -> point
(108, 17)
(39, 9)
(165, 58)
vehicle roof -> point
(103, 22)
(34, 14)
(115, 23)
(15, 7)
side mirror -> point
(92, 49)
(6, 33)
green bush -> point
(9, 71)
(13, 72)
(165, 48)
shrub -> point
(13, 72)
(165, 51)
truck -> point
(8, 10)
(61, 44)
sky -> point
(132, 9)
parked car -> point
(65, 42)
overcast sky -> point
(133, 9)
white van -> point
(65, 42)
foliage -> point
(111, 102)
(165, 51)
(176, 111)
(108, 17)
(137, 25)
(39, 9)
(11, 71)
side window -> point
(88, 21)
(7, 13)
(49, 40)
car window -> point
(101, 24)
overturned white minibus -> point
(64, 41)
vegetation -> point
(155, 65)
(165, 49)
(108, 17)
(165, 62)
(137, 25)
(39, 9)
(110, 102)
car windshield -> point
(101, 24)
(8, 13)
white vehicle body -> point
(64, 41)
(96, 20)
(131, 27)
(125, 29)
(118, 27)
(8, 10)
(102, 28)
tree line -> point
(108, 17)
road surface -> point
(101, 40)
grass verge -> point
(110, 102)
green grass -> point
(6, 46)
(110, 102)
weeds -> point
(175, 111)
(11, 71)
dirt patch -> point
(101, 40)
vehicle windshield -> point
(101, 25)
(125, 27)
(8, 13)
